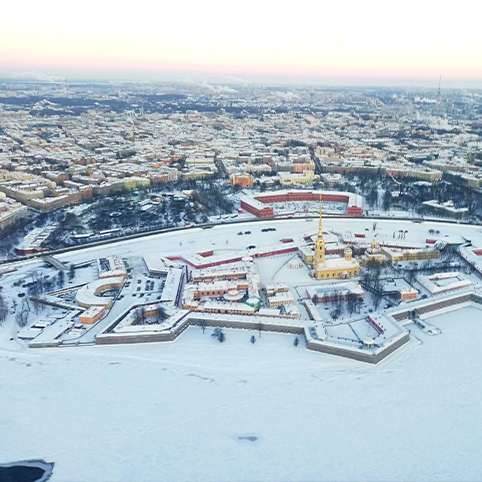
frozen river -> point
(225, 237)
(200, 410)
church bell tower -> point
(320, 245)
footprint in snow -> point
(210, 380)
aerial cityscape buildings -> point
(181, 262)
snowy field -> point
(288, 207)
(196, 409)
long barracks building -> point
(259, 205)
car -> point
(240, 233)
(134, 294)
(141, 295)
(138, 288)
(247, 232)
(139, 281)
(251, 246)
(265, 230)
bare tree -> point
(335, 313)
(377, 294)
(37, 285)
(60, 279)
(259, 328)
(140, 315)
(351, 302)
(143, 314)
(161, 314)
(219, 335)
(71, 272)
(26, 305)
(3, 309)
(22, 318)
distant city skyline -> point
(352, 43)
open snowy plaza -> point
(261, 405)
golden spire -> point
(320, 233)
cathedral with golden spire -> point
(329, 268)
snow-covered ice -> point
(197, 409)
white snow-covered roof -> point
(87, 295)
(172, 284)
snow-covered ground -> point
(288, 207)
(225, 236)
(179, 411)
(198, 409)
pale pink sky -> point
(351, 39)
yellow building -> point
(243, 180)
(396, 255)
(332, 267)
(373, 255)
(288, 179)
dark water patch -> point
(249, 438)
(26, 471)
